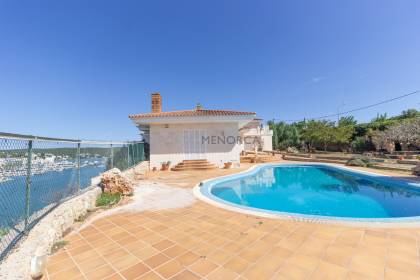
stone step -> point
(194, 164)
(183, 168)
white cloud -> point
(317, 79)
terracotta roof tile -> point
(191, 113)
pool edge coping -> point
(408, 222)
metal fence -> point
(39, 173)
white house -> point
(218, 136)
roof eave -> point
(193, 119)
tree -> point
(344, 132)
(380, 139)
(347, 121)
(318, 132)
(409, 114)
(285, 135)
(362, 137)
(406, 133)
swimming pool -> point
(317, 190)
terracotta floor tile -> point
(79, 250)
(367, 258)
(58, 257)
(174, 251)
(367, 269)
(124, 262)
(121, 234)
(169, 269)
(187, 258)
(291, 271)
(290, 244)
(232, 248)
(135, 271)
(162, 245)
(185, 275)
(152, 239)
(156, 260)
(371, 266)
(100, 273)
(391, 274)
(65, 274)
(280, 253)
(410, 268)
(116, 255)
(357, 276)
(327, 271)
(203, 267)
(145, 252)
(149, 276)
(107, 249)
(303, 261)
(250, 255)
(237, 264)
(61, 265)
(90, 265)
(270, 264)
(219, 257)
(114, 276)
(340, 255)
(127, 240)
(256, 272)
(222, 274)
(80, 277)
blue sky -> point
(78, 68)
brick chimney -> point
(156, 103)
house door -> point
(194, 144)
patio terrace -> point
(205, 242)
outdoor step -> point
(194, 164)
(180, 168)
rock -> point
(114, 182)
(359, 161)
(292, 150)
(416, 170)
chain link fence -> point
(39, 173)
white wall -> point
(167, 143)
(263, 138)
(267, 141)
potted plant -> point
(164, 166)
(228, 165)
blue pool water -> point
(319, 190)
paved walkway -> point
(205, 242)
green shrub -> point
(3, 232)
(58, 245)
(106, 199)
(81, 218)
(359, 161)
(360, 144)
